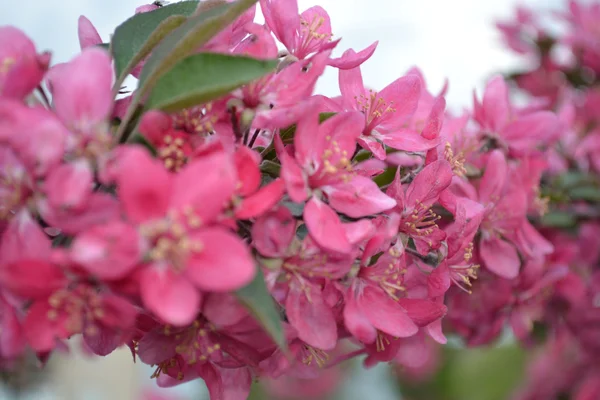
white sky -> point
(454, 39)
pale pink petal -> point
(82, 89)
(282, 17)
(88, 35)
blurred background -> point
(454, 40)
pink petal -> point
(70, 185)
(108, 251)
(359, 231)
(309, 143)
(422, 311)
(261, 201)
(493, 181)
(352, 87)
(273, 232)
(325, 227)
(23, 238)
(385, 314)
(170, 296)
(430, 182)
(500, 257)
(407, 140)
(248, 172)
(32, 279)
(155, 347)
(38, 330)
(223, 264)
(350, 59)
(403, 95)
(495, 104)
(101, 207)
(236, 383)
(88, 35)
(529, 131)
(357, 323)
(144, 185)
(281, 16)
(434, 122)
(293, 176)
(358, 198)
(343, 129)
(435, 331)
(82, 89)
(312, 318)
(206, 185)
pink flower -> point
(175, 218)
(61, 308)
(416, 201)
(83, 100)
(376, 310)
(88, 35)
(21, 67)
(387, 112)
(518, 132)
(322, 161)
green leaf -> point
(297, 209)
(191, 35)
(135, 38)
(271, 168)
(587, 193)
(559, 219)
(257, 299)
(195, 32)
(203, 77)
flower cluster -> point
(264, 231)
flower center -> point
(172, 153)
(169, 238)
(311, 38)
(6, 64)
(373, 107)
(422, 221)
(310, 354)
(457, 162)
(199, 120)
(82, 307)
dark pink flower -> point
(21, 67)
